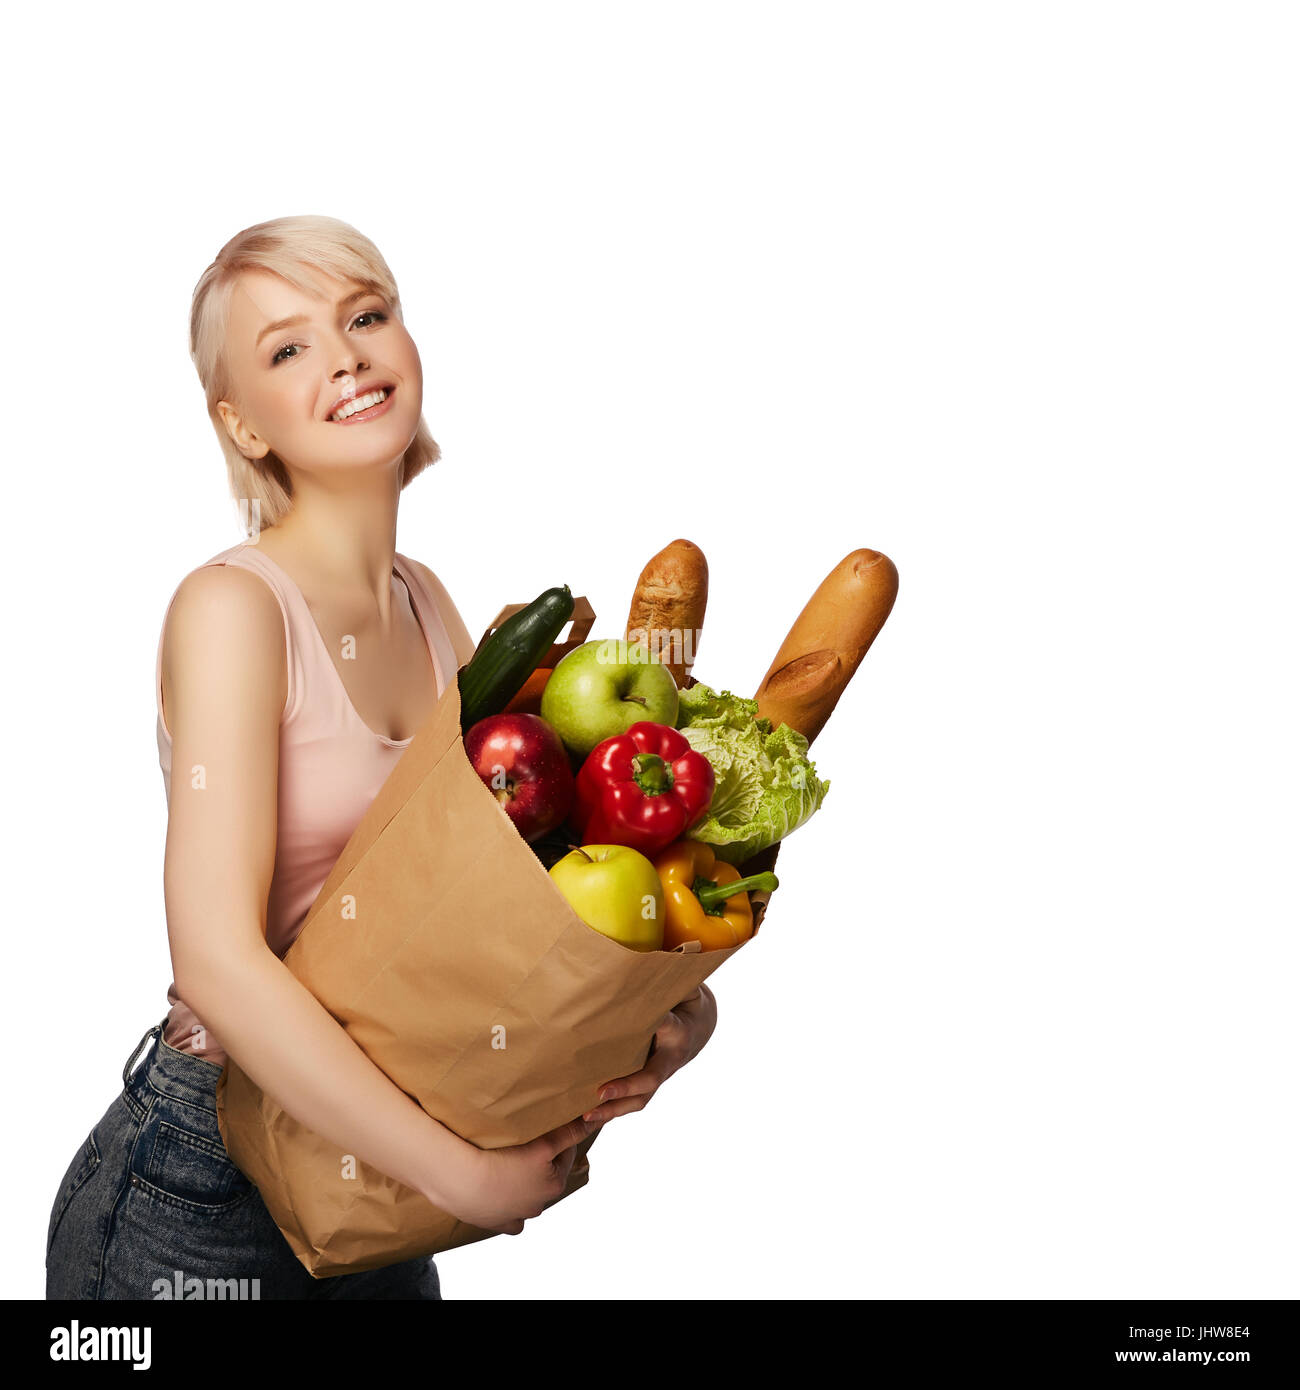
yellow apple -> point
(617, 891)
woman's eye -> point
(377, 314)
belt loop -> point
(135, 1052)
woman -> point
(293, 669)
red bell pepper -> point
(642, 788)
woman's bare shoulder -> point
(224, 633)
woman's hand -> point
(679, 1038)
(502, 1188)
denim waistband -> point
(170, 1072)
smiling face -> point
(289, 378)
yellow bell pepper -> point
(705, 898)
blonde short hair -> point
(283, 247)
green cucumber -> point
(497, 671)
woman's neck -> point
(339, 542)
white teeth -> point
(361, 403)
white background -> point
(1007, 291)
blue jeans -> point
(152, 1200)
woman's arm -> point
(224, 686)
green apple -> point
(617, 891)
(604, 687)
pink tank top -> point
(331, 764)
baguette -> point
(827, 642)
(668, 606)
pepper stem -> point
(651, 773)
(711, 893)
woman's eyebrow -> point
(302, 318)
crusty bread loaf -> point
(827, 642)
(667, 611)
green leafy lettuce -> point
(764, 785)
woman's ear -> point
(246, 441)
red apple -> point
(525, 766)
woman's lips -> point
(371, 413)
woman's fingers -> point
(563, 1163)
(622, 1097)
(565, 1136)
(614, 1108)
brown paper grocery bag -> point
(441, 944)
